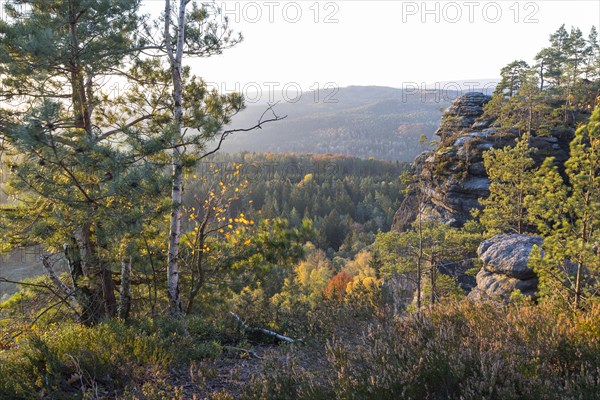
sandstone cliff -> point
(452, 179)
(453, 176)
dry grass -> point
(453, 351)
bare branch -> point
(259, 125)
(56, 280)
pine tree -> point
(73, 178)
(592, 56)
(418, 254)
(97, 159)
(509, 171)
(513, 76)
(568, 213)
(550, 60)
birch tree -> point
(192, 30)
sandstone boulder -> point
(509, 254)
(505, 268)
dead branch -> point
(37, 285)
(265, 331)
(59, 284)
(261, 121)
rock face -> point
(453, 177)
(505, 268)
(463, 112)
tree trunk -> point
(197, 280)
(99, 294)
(93, 288)
(73, 256)
(520, 212)
(109, 300)
(81, 292)
(105, 274)
(432, 295)
(175, 59)
(541, 75)
(125, 292)
(577, 302)
(175, 233)
(196, 285)
(78, 92)
(60, 284)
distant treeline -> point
(348, 199)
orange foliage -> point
(336, 287)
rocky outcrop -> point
(452, 177)
(505, 268)
(451, 180)
(463, 113)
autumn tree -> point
(197, 115)
(215, 230)
(305, 286)
(337, 286)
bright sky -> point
(388, 43)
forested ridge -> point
(379, 122)
(172, 270)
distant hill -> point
(360, 121)
(19, 265)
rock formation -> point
(452, 177)
(505, 268)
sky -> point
(311, 44)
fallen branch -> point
(265, 331)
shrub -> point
(71, 359)
(460, 351)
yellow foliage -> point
(369, 283)
(313, 274)
(359, 267)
